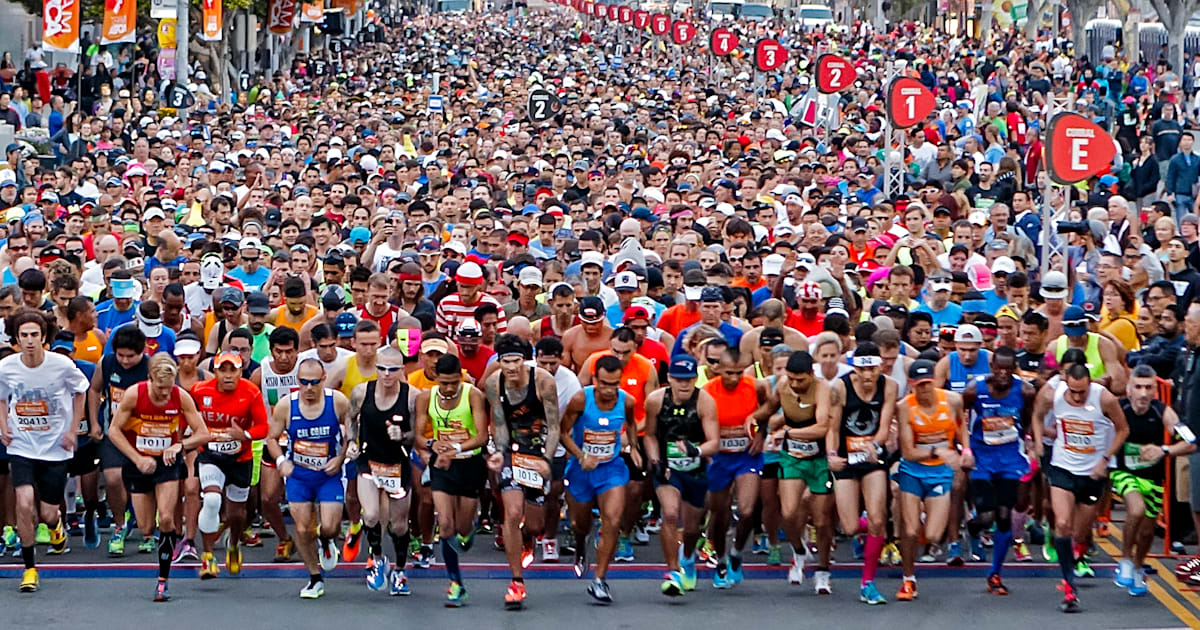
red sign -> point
(908, 102)
(834, 74)
(722, 41)
(660, 23)
(769, 55)
(280, 15)
(624, 15)
(1076, 149)
(641, 18)
(682, 32)
(612, 12)
(599, 10)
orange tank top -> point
(153, 429)
(284, 318)
(89, 348)
(931, 429)
(633, 381)
(734, 407)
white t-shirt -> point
(311, 353)
(383, 255)
(40, 404)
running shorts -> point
(635, 473)
(524, 479)
(726, 467)
(395, 479)
(586, 485)
(813, 471)
(228, 474)
(558, 468)
(48, 478)
(464, 478)
(1124, 482)
(314, 486)
(86, 459)
(924, 481)
(990, 494)
(1087, 491)
(137, 482)
(999, 464)
(111, 456)
(692, 487)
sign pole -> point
(890, 187)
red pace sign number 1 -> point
(834, 74)
(660, 23)
(624, 15)
(769, 55)
(908, 102)
(682, 32)
(1076, 149)
(641, 18)
(722, 41)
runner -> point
(39, 430)
(148, 429)
(592, 427)
(931, 428)
(275, 378)
(313, 419)
(381, 431)
(526, 437)
(457, 414)
(357, 369)
(231, 409)
(1088, 427)
(548, 355)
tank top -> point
(354, 376)
(153, 429)
(634, 376)
(960, 374)
(456, 425)
(284, 318)
(1145, 428)
(117, 379)
(598, 431)
(89, 348)
(931, 430)
(800, 411)
(900, 375)
(860, 422)
(526, 419)
(385, 457)
(733, 411)
(1029, 365)
(1095, 363)
(679, 422)
(312, 441)
(1084, 433)
(996, 422)
(276, 386)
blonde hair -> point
(824, 338)
(162, 367)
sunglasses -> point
(309, 382)
(388, 369)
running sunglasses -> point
(309, 381)
(388, 369)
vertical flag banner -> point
(120, 22)
(212, 20)
(61, 25)
(313, 12)
(280, 16)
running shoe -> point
(353, 542)
(43, 534)
(208, 566)
(1049, 553)
(796, 572)
(425, 557)
(456, 595)
(1070, 602)
(58, 541)
(985, 538)
(514, 598)
(414, 547)
(377, 573)
(954, 555)
(908, 591)
(1021, 552)
(735, 569)
(653, 525)
(10, 538)
(890, 554)
(1083, 569)
(774, 556)
(1182, 570)
(328, 555)
(598, 589)
(624, 550)
(821, 583)
(149, 544)
(283, 550)
(29, 581)
(581, 562)
(465, 542)
(91, 532)
(313, 590)
(995, 586)
(870, 595)
(116, 544)
(399, 584)
(1123, 578)
(706, 552)
(184, 551)
(1138, 588)
(640, 535)
(978, 550)
(160, 591)
(759, 547)
(672, 585)
(233, 559)
(550, 550)
(687, 568)
(857, 545)
(250, 538)
(721, 580)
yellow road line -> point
(1165, 596)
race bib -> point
(999, 430)
(1133, 457)
(524, 473)
(115, 394)
(32, 415)
(389, 478)
(223, 443)
(802, 449)
(458, 437)
(600, 444)
(1079, 435)
(734, 439)
(773, 443)
(311, 455)
(153, 439)
(860, 449)
(83, 427)
(679, 460)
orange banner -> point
(312, 12)
(120, 21)
(280, 15)
(61, 25)
(212, 20)
(345, 5)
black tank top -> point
(116, 380)
(374, 442)
(1029, 364)
(679, 421)
(860, 418)
(526, 419)
(1144, 428)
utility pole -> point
(182, 40)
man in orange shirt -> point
(638, 379)
(680, 316)
(752, 277)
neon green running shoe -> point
(43, 534)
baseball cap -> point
(940, 283)
(968, 333)
(232, 295)
(591, 258)
(1075, 321)
(257, 303)
(770, 337)
(456, 247)
(591, 309)
(153, 213)
(921, 370)
(1054, 286)
(249, 242)
(712, 294)
(428, 244)
(345, 323)
(334, 298)
(683, 366)
(530, 277)
(858, 224)
(978, 218)
(626, 281)
(187, 347)
(637, 311)
(772, 264)
(434, 344)
(229, 357)
(1004, 264)
(359, 234)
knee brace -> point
(210, 513)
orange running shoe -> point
(514, 599)
(908, 591)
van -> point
(812, 17)
(755, 12)
(723, 10)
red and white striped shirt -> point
(451, 311)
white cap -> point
(772, 264)
(530, 277)
(250, 243)
(1004, 264)
(153, 213)
(968, 333)
(456, 247)
(978, 218)
(725, 209)
(626, 281)
(1054, 286)
(591, 258)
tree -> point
(1081, 12)
(1174, 15)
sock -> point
(871, 552)
(519, 580)
(735, 560)
(356, 527)
(27, 556)
(450, 557)
(166, 548)
(1002, 541)
(325, 541)
(374, 539)
(1062, 545)
(314, 579)
(400, 542)
(1079, 550)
